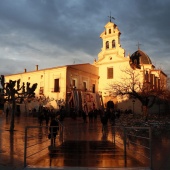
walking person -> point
(41, 118)
(54, 127)
(95, 115)
(112, 116)
(84, 116)
(7, 112)
(91, 115)
(46, 116)
(104, 120)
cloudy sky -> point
(53, 33)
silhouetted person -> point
(91, 115)
(95, 113)
(112, 116)
(54, 127)
(7, 112)
(104, 120)
(62, 113)
(46, 116)
(84, 116)
(41, 117)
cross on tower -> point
(138, 45)
(111, 17)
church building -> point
(79, 84)
(114, 66)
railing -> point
(135, 141)
(37, 141)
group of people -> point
(49, 116)
(46, 114)
(92, 115)
(110, 114)
(51, 119)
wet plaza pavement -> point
(12, 147)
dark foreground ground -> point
(12, 147)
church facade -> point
(79, 82)
(115, 67)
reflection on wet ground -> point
(12, 147)
(12, 144)
(87, 154)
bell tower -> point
(111, 42)
(110, 37)
(111, 59)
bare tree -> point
(136, 84)
(13, 93)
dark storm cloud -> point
(69, 30)
(66, 24)
(148, 21)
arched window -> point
(107, 44)
(113, 43)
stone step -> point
(87, 151)
(84, 157)
(85, 146)
(90, 162)
(59, 150)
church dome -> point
(139, 58)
